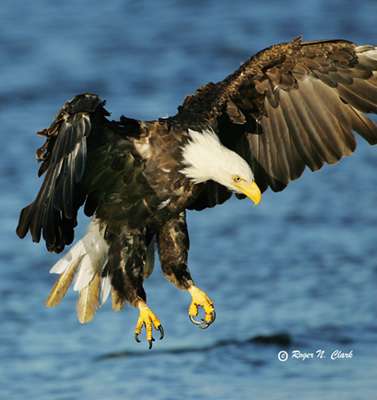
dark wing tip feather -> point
(24, 221)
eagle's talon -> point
(204, 325)
(148, 320)
(213, 316)
(200, 299)
(195, 321)
(162, 333)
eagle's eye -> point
(236, 178)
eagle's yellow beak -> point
(251, 190)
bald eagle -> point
(290, 106)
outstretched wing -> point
(290, 106)
(77, 127)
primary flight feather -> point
(290, 106)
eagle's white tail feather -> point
(77, 251)
(92, 249)
(85, 273)
(105, 288)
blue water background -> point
(303, 263)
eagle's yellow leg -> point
(200, 299)
(148, 319)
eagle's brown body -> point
(290, 106)
(147, 161)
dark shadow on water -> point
(278, 339)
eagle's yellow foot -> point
(200, 299)
(147, 319)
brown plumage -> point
(117, 301)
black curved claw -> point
(150, 343)
(162, 333)
(137, 337)
(204, 324)
(213, 316)
(195, 321)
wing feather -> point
(293, 105)
(64, 156)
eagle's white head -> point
(205, 158)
